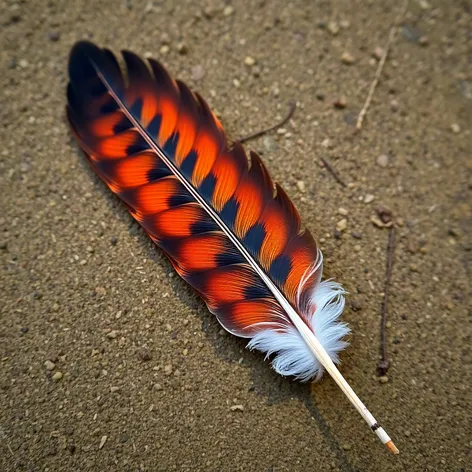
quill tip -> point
(392, 448)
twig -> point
(243, 139)
(378, 73)
(333, 172)
(383, 364)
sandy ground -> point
(148, 377)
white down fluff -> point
(292, 355)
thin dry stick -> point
(333, 172)
(243, 139)
(380, 67)
(383, 364)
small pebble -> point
(383, 379)
(347, 58)
(113, 240)
(168, 369)
(114, 389)
(182, 48)
(157, 386)
(423, 41)
(270, 144)
(333, 28)
(57, 376)
(379, 223)
(343, 211)
(228, 11)
(54, 36)
(144, 354)
(112, 334)
(382, 160)
(378, 53)
(164, 49)
(198, 72)
(394, 105)
(249, 61)
(384, 213)
(356, 304)
(455, 128)
(340, 103)
(102, 441)
(301, 186)
(49, 365)
(356, 234)
(369, 198)
(237, 408)
(341, 225)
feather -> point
(228, 230)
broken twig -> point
(257, 134)
(333, 172)
(380, 67)
(383, 364)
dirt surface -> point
(110, 362)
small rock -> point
(182, 48)
(455, 128)
(384, 213)
(382, 160)
(270, 144)
(114, 389)
(57, 376)
(347, 447)
(369, 198)
(49, 365)
(112, 334)
(410, 33)
(383, 379)
(301, 186)
(168, 369)
(394, 106)
(378, 52)
(164, 49)
(157, 386)
(54, 36)
(413, 267)
(113, 240)
(347, 58)
(343, 211)
(340, 103)
(320, 96)
(249, 61)
(165, 38)
(198, 72)
(23, 63)
(356, 234)
(333, 28)
(24, 329)
(379, 223)
(356, 304)
(144, 354)
(228, 11)
(102, 441)
(341, 225)
(237, 408)
(423, 41)
(344, 24)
